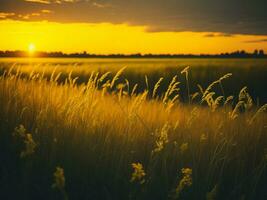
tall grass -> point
(246, 72)
(103, 140)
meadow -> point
(245, 72)
(146, 129)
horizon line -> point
(25, 53)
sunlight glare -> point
(31, 48)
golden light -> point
(107, 38)
(31, 48)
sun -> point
(31, 48)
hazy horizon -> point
(36, 52)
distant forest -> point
(236, 54)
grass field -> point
(99, 136)
(245, 72)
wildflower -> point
(184, 147)
(162, 139)
(30, 144)
(59, 182)
(138, 174)
(20, 131)
(186, 181)
(59, 179)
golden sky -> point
(133, 26)
(106, 38)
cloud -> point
(256, 41)
(4, 15)
(24, 16)
(35, 14)
(29, 16)
(101, 5)
(52, 1)
(46, 11)
(65, 1)
(39, 1)
(211, 35)
(228, 17)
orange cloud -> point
(52, 1)
(4, 15)
(99, 5)
(39, 1)
(46, 11)
(34, 14)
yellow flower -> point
(186, 181)
(138, 174)
(59, 179)
(30, 144)
(59, 182)
(20, 131)
(162, 140)
(183, 147)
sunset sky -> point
(132, 26)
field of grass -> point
(99, 136)
(245, 72)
